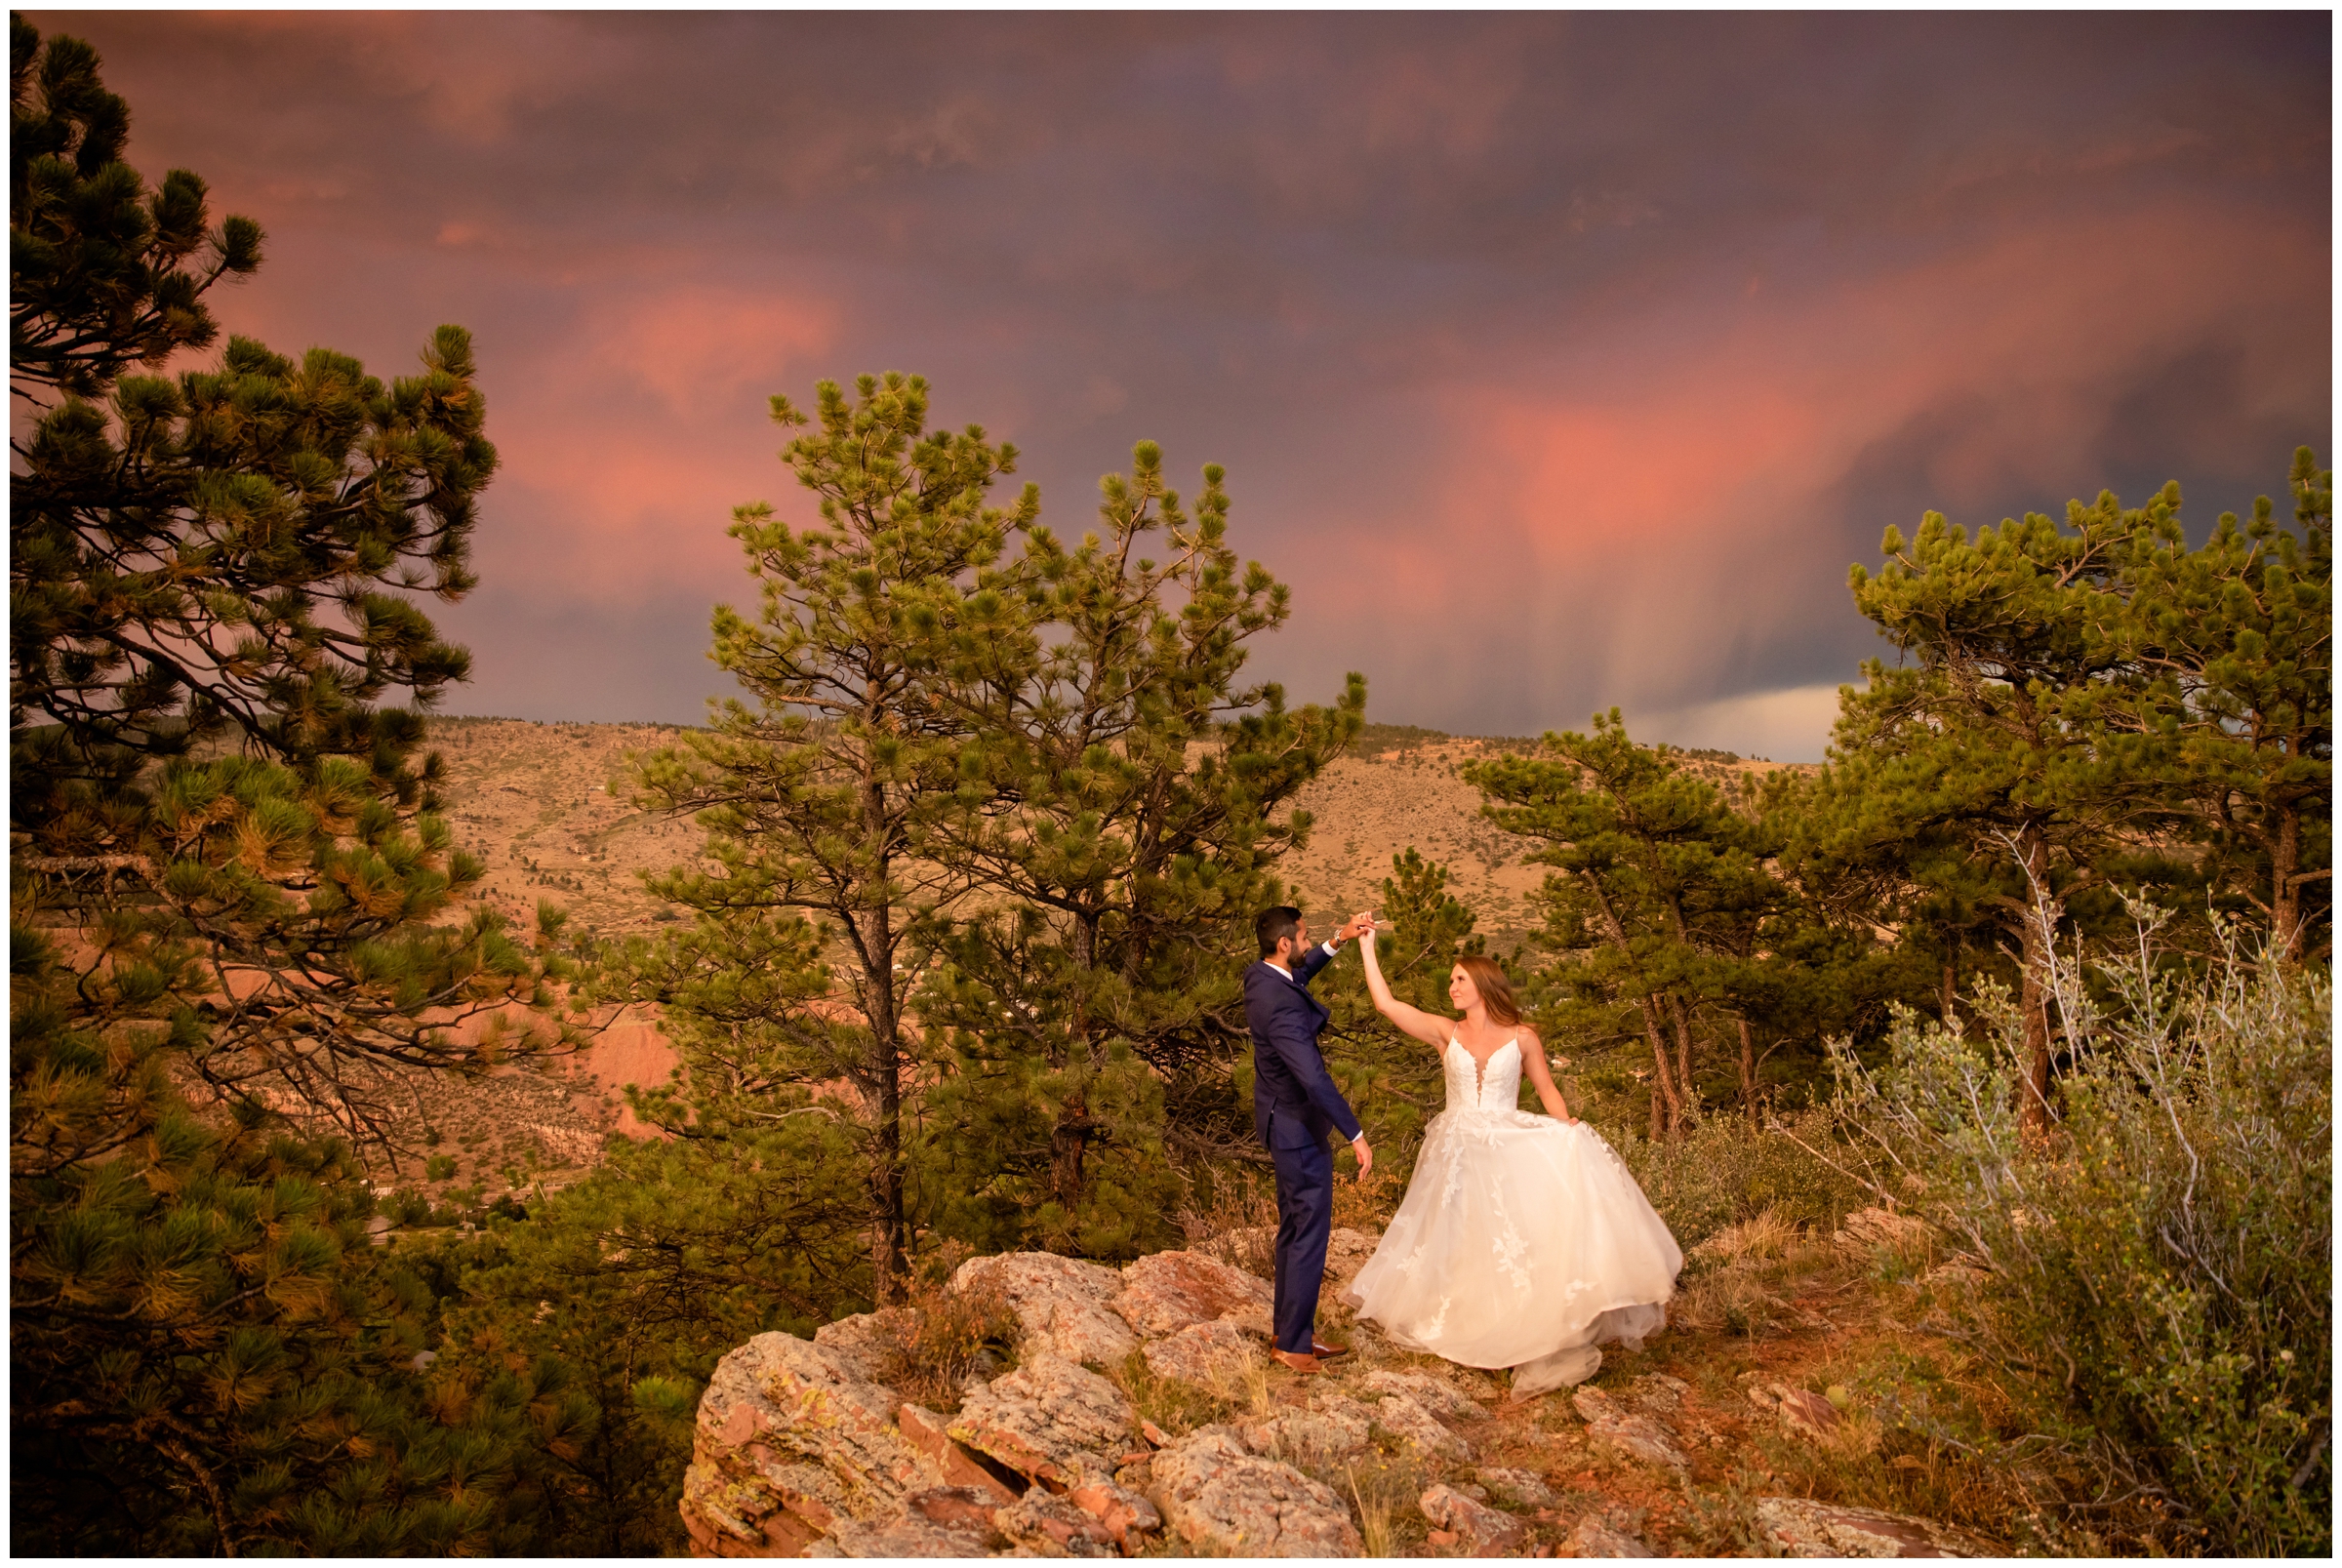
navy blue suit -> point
(1294, 1105)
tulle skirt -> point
(1522, 1242)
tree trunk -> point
(1667, 1105)
(890, 1263)
(1666, 1102)
(1682, 1020)
(890, 1260)
(1069, 1145)
(1070, 1139)
(2285, 890)
(1951, 985)
(1748, 1072)
(2032, 997)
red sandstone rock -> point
(1210, 1356)
(1803, 1528)
(1123, 1513)
(1065, 1304)
(925, 1431)
(1489, 1532)
(786, 1426)
(1051, 1420)
(1171, 1290)
(1215, 1496)
(1054, 1527)
(945, 1521)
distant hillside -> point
(533, 799)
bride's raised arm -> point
(1428, 1027)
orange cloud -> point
(701, 348)
(1661, 502)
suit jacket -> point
(1289, 1081)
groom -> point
(1294, 1105)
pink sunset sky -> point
(1557, 361)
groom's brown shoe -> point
(1326, 1352)
(1298, 1360)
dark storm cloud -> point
(1558, 361)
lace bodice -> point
(1470, 1087)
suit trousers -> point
(1305, 1215)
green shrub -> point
(1720, 1173)
(2163, 1260)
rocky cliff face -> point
(801, 1451)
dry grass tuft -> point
(1765, 1237)
(1177, 1407)
(934, 1341)
(1374, 1517)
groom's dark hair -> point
(1274, 926)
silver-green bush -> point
(2165, 1255)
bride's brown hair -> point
(1496, 991)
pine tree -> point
(1993, 740)
(170, 539)
(1653, 868)
(818, 799)
(1119, 823)
(170, 543)
(2235, 640)
(222, 873)
(205, 1354)
(601, 1315)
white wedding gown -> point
(1522, 1242)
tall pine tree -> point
(819, 796)
(1124, 801)
(223, 873)
(2235, 640)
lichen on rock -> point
(1050, 1419)
(1064, 1305)
(1168, 1291)
(1215, 1496)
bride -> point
(1522, 1242)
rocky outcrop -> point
(1052, 1526)
(1405, 1420)
(1440, 1398)
(1470, 1524)
(1638, 1433)
(802, 1447)
(1217, 1496)
(947, 1521)
(955, 1461)
(857, 1343)
(1333, 1425)
(1520, 1488)
(1171, 1290)
(1064, 1306)
(1210, 1356)
(1803, 1528)
(787, 1427)
(1597, 1537)
(1124, 1514)
(1060, 1424)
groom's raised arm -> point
(1297, 1048)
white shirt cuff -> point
(1330, 949)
